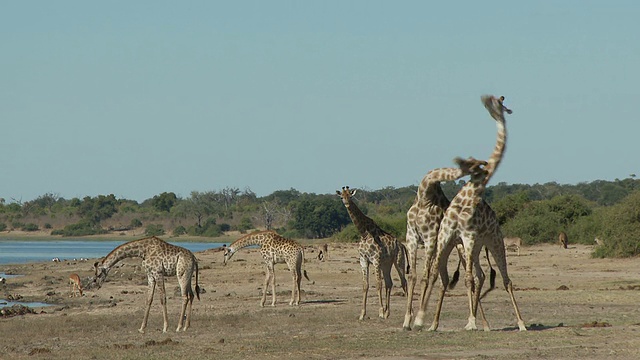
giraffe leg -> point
(479, 282)
(295, 291)
(388, 285)
(185, 300)
(378, 272)
(273, 287)
(365, 287)
(400, 265)
(430, 277)
(267, 279)
(444, 279)
(163, 302)
(469, 282)
(151, 291)
(412, 249)
(497, 250)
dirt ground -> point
(575, 307)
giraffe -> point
(423, 221)
(377, 248)
(159, 259)
(75, 284)
(471, 218)
(274, 249)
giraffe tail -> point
(304, 271)
(456, 276)
(492, 275)
(197, 286)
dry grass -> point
(228, 323)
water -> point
(24, 251)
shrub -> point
(3, 226)
(154, 230)
(30, 227)
(135, 223)
(48, 226)
(179, 230)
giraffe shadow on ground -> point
(322, 301)
(533, 327)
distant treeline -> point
(609, 210)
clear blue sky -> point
(135, 98)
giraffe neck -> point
(498, 150)
(135, 248)
(430, 184)
(247, 240)
(363, 223)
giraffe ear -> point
(353, 192)
(338, 192)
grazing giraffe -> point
(159, 259)
(377, 248)
(563, 239)
(76, 284)
(471, 218)
(274, 249)
(423, 221)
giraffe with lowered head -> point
(378, 248)
(159, 259)
(472, 219)
(274, 249)
(423, 221)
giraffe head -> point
(474, 168)
(469, 165)
(228, 253)
(495, 107)
(101, 272)
(346, 194)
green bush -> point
(135, 223)
(30, 227)
(179, 230)
(17, 225)
(3, 226)
(154, 230)
(48, 226)
(83, 228)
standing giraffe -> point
(75, 284)
(274, 249)
(159, 259)
(423, 221)
(377, 248)
(471, 218)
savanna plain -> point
(575, 307)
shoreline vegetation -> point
(45, 236)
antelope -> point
(563, 239)
(513, 242)
(76, 284)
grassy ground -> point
(575, 307)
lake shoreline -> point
(44, 236)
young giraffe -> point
(274, 249)
(159, 259)
(378, 248)
(75, 284)
(423, 221)
(471, 218)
